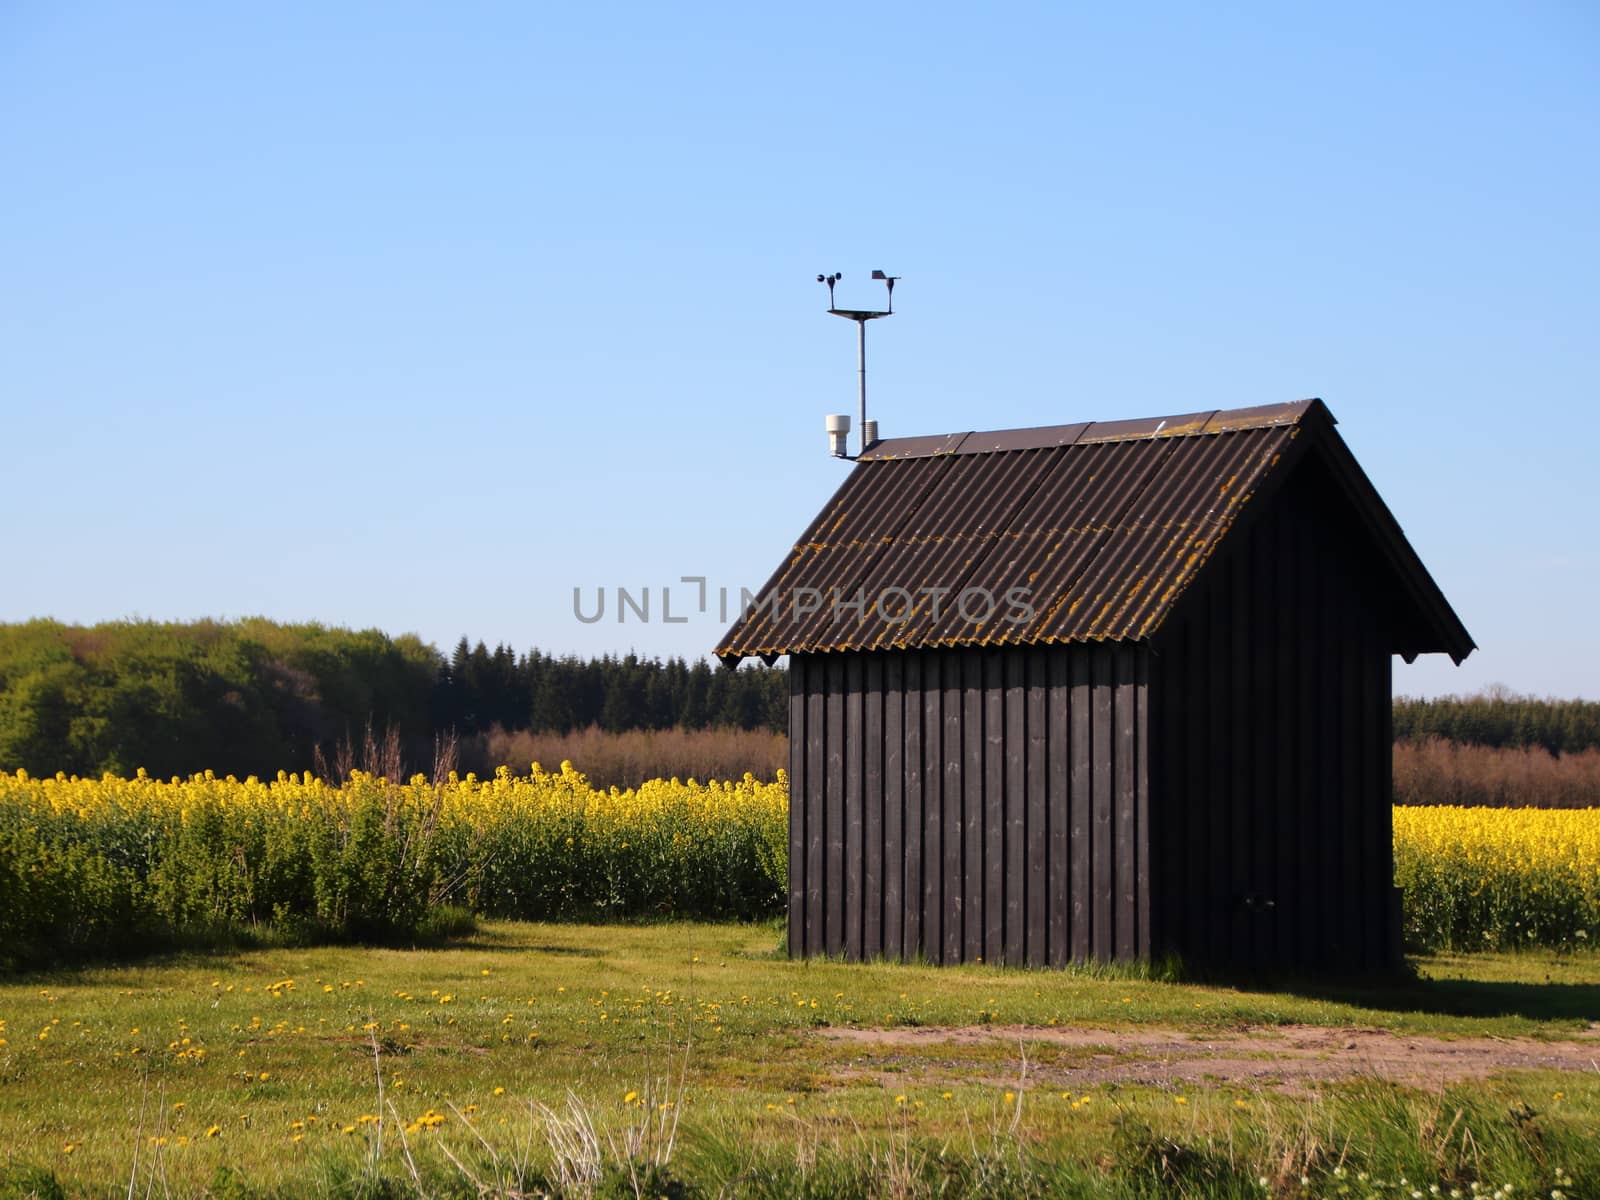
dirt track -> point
(1284, 1057)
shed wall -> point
(969, 805)
(1270, 746)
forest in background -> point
(253, 697)
(1500, 718)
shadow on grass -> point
(479, 943)
(1471, 998)
(162, 949)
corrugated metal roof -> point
(1086, 532)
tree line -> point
(253, 697)
(480, 689)
(256, 696)
(1502, 719)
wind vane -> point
(838, 424)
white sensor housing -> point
(838, 426)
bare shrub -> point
(1437, 771)
(376, 754)
(446, 756)
(1430, 771)
(629, 759)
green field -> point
(259, 1073)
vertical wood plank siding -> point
(970, 805)
(1270, 774)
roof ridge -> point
(1040, 437)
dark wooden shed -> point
(1111, 690)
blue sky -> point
(420, 316)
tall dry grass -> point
(1436, 771)
(629, 759)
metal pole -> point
(861, 369)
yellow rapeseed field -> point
(1483, 878)
(87, 865)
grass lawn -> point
(256, 1073)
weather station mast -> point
(838, 424)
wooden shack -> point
(1112, 690)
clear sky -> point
(419, 316)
